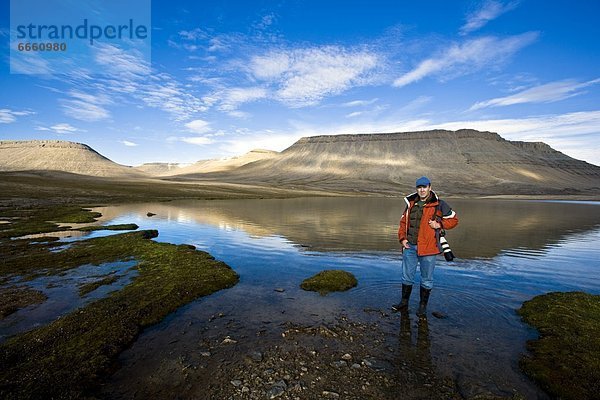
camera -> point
(448, 255)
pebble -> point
(275, 391)
(439, 315)
(205, 354)
(280, 290)
(339, 364)
(228, 340)
(332, 395)
(236, 382)
(347, 357)
(256, 356)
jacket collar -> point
(413, 197)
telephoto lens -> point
(446, 249)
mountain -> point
(464, 161)
(206, 166)
(57, 155)
(160, 169)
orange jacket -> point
(428, 240)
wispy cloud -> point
(8, 116)
(303, 77)
(85, 106)
(468, 57)
(359, 103)
(232, 98)
(59, 128)
(127, 79)
(354, 114)
(128, 143)
(490, 10)
(547, 93)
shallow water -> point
(508, 252)
(62, 293)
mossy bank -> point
(69, 357)
(565, 359)
(330, 281)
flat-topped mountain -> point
(458, 162)
(58, 155)
(464, 161)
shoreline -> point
(241, 375)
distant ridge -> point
(466, 162)
(463, 161)
(206, 166)
(58, 155)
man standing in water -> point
(419, 233)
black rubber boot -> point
(423, 303)
(406, 291)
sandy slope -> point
(57, 155)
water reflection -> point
(487, 227)
(509, 251)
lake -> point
(508, 251)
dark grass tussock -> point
(330, 281)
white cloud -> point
(302, 77)
(470, 56)
(547, 93)
(197, 140)
(198, 126)
(490, 10)
(359, 103)
(8, 116)
(58, 128)
(354, 114)
(232, 98)
(128, 143)
(239, 114)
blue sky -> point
(229, 76)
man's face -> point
(423, 191)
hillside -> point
(206, 166)
(57, 155)
(463, 161)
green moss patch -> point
(119, 227)
(16, 297)
(565, 359)
(69, 357)
(330, 281)
(42, 220)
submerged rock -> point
(330, 281)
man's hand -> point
(405, 244)
(434, 225)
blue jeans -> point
(409, 267)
